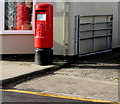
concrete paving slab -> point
(109, 75)
(12, 69)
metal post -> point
(77, 24)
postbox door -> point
(41, 24)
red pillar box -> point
(43, 26)
(43, 36)
(22, 15)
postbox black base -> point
(44, 56)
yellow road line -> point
(58, 96)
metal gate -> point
(93, 34)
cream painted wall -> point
(0, 27)
(17, 44)
(0, 44)
(119, 23)
(92, 8)
(58, 35)
(1, 17)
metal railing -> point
(91, 24)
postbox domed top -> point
(43, 5)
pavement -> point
(16, 70)
(87, 80)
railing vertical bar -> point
(77, 22)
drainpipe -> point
(65, 35)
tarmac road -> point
(22, 96)
(27, 96)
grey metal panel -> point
(100, 44)
(86, 46)
(95, 34)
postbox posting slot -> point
(41, 23)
